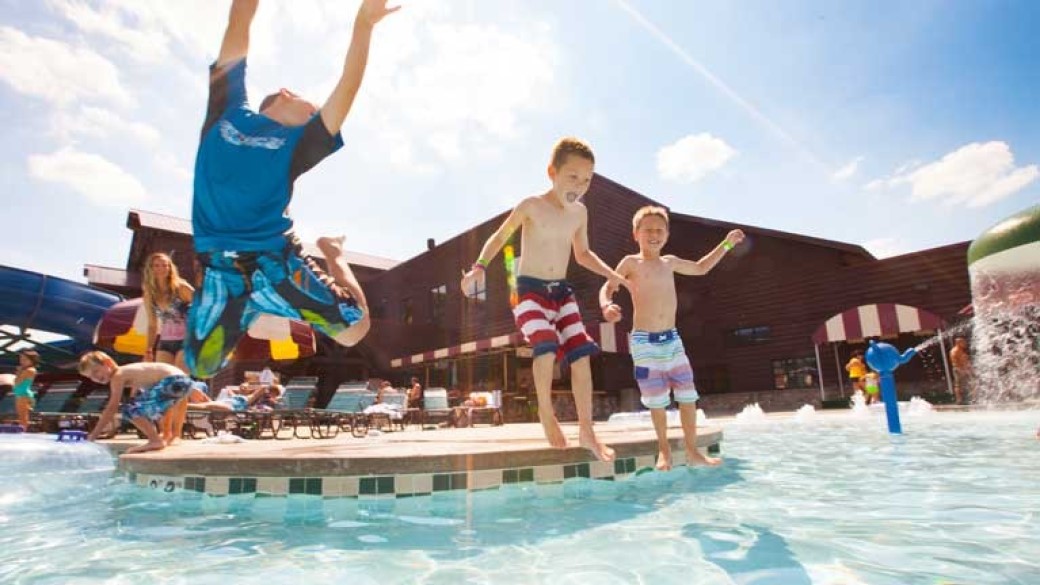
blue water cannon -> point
(884, 359)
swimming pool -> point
(832, 500)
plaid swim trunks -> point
(155, 401)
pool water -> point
(956, 499)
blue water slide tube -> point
(30, 300)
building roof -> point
(111, 277)
(140, 219)
(844, 247)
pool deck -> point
(409, 462)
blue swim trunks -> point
(238, 286)
(155, 401)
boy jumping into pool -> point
(155, 388)
(657, 350)
(244, 173)
(547, 313)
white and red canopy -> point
(878, 320)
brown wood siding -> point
(787, 282)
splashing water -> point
(806, 413)
(751, 413)
(1005, 339)
(38, 470)
(919, 407)
(859, 405)
(947, 336)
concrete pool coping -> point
(400, 463)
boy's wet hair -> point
(33, 356)
(647, 211)
(267, 101)
(92, 358)
(570, 145)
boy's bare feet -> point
(664, 460)
(169, 442)
(588, 440)
(695, 458)
(553, 433)
(149, 446)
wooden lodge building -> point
(775, 314)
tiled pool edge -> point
(406, 485)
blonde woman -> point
(166, 299)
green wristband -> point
(727, 245)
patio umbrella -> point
(124, 328)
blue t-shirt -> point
(245, 168)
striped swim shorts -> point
(548, 316)
(661, 365)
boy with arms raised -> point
(155, 388)
(547, 313)
(657, 350)
(245, 168)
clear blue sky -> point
(896, 125)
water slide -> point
(30, 300)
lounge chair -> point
(435, 407)
(491, 409)
(344, 412)
(397, 406)
(7, 412)
(296, 412)
(51, 409)
(89, 412)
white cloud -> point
(447, 90)
(143, 44)
(693, 157)
(887, 247)
(94, 122)
(57, 72)
(974, 175)
(876, 184)
(101, 181)
(848, 170)
(198, 25)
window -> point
(379, 310)
(795, 373)
(438, 302)
(407, 313)
(749, 336)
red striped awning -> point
(874, 321)
(607, 335)
(459, 350)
